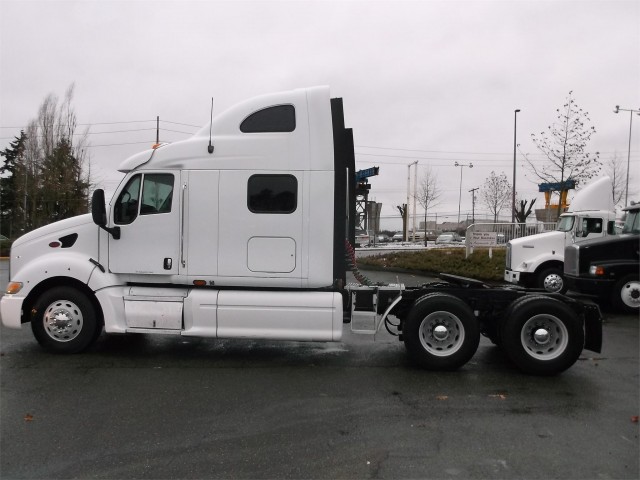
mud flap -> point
(592, 328)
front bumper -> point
(600, 287)
(11, 311)
(518, 278)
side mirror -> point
(99, 213)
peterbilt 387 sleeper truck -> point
(244, 231)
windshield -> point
(565, 224)
(632, 223)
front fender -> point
(534, 263)
(72, 265)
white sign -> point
(484, 239)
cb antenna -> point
(210, 147)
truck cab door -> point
(589, 227)
(146, 210)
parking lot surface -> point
(168, 407)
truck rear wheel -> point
(542, 335)
(441, 332)
(64, 321)
(551, 280)
(626, 294)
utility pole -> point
(406, 232)
(513, 188)
(473, 204)
(415, 194)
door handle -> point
(168, 263)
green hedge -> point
(444, 260)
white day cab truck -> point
(244, 231)
(537, 261)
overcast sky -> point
(433, 81)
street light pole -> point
(631, 112)
(473, 204)
(406, 231)
(461, 165)
(513, 192)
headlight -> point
(596, 270)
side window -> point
(592, 225)
(125, 210)
(272, 194)
(281, 118)
(157, 193)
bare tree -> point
(495, 193)
(403, 213)
(523, 211)
(617, 171)
(52, 177)
(564, 144)
(428, 195)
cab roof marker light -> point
(13, 288)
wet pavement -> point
(143, 406)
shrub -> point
(444, 260)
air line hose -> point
(353, 266)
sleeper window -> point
(272, 194)
(281, 118)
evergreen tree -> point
(11, 173)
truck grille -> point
(508, 262)
(572, 260)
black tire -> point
(455, 341)
(542, 335)
(551, 280)
(625, 296)
(64, 320)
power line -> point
(115, 131)
(89, 124)
(447, 151)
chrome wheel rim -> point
(553, 283)
(63, 320)
(441, 333)
(544, 337)
(630, 294)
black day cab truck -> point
(609, 268)
(245, 230)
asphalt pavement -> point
(144, 406)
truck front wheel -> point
(64, 321)
(626, 294)
(542, 335)
(441, 332)
(551, 280)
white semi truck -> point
(244, 231)
(537, 261)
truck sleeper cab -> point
(239, 232)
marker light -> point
(13, 287)
(596, 270)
